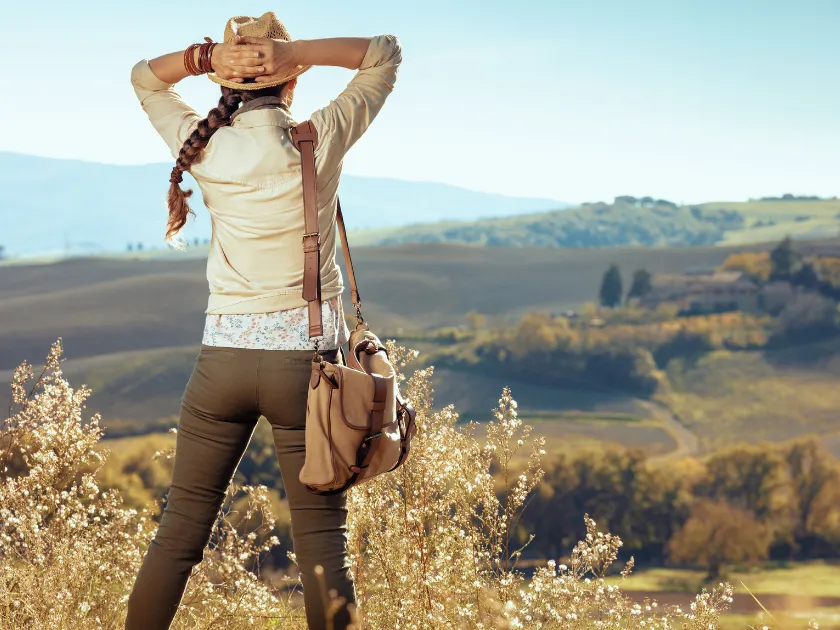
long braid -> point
(190, 154)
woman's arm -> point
(267, 59)
(346, 52)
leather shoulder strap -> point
(305, 138)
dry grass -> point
(429, 544)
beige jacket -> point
(250, 178)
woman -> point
(256, 353)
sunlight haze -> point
(573, 101)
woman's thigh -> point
(218, 416)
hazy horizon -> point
(692, 102)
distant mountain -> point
(634, 222)
(54, 206)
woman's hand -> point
(259, 58)
(279, 57)
(230, 62)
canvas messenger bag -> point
(358, 425)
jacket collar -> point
(262, 111)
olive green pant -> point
(230, 388)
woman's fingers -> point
(249, 72)
(245, 63)
(250, 49)
(246, 52)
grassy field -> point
(793, 594)
(755, 396)
(625, 224)
(773, 220)
(806, 579)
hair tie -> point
(177, 176)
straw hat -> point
(267, 25)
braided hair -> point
(190, 153)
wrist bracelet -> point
(202, 50)
(205, 55)
(189, 60)
(208, 54)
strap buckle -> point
(311, 248)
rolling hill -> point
(57, 206)
(122, 304)
(131, 327)
(629, 222)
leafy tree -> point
(806, 277)
(613, 485)
(685, 344)
(717, 534)
(752, 477)
(641, 285)
(776, 296)
(808, 317)
(612, 287)
(2, 252)
(757, 265)
(475, 321)
(533, 335)
(784, 260)
(815, 476)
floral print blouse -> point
(279, 330)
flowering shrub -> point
(69, 552)
(431, 545)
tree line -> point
(743, 504)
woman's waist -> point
(261, 275)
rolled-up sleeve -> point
(173, 119)
(341, 123)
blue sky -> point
(577, 101)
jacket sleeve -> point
(173, 119)
(341, 123)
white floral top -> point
(279, 330)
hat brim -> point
(254, 85)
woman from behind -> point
(256, 352)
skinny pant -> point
(230, 388)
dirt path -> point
(687, 442)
